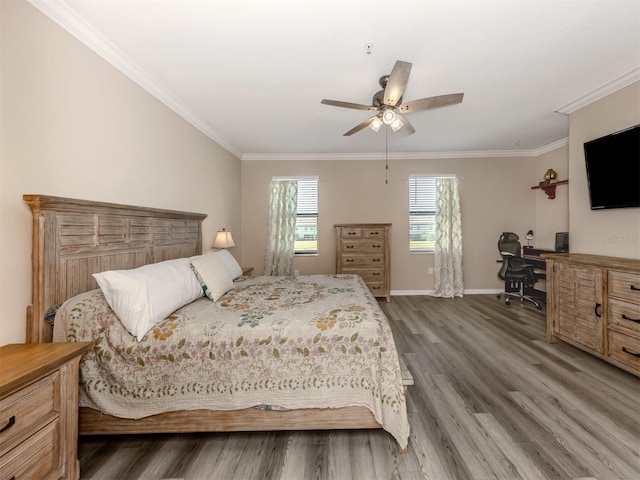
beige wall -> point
(552, 215)
(74, 126)
(495, 193)
(614, 232)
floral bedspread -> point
(313, 341)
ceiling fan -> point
(388, 103)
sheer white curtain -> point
(282, 227)
(448, 241)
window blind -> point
(307, 217)
(422, 211)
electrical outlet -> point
(430, 270)
(296, 272)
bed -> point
(273, 353)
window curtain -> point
(448, 241)
(282, 227)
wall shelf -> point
(550, 188)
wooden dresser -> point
(593, 303)
(39, 410)
(363, 249)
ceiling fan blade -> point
(397, 83)
(355, 106)
(360, 126)
(407, 129)
(431, 102)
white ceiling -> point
(251, 73)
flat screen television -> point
(613, 169)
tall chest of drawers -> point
(39, 410)
(363, 249)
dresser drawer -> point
(35, 457)
(362, 261)
(363, 232)
(624, 314)
(370, 275)
(28, 409)
(624, 285)
(377, 288)
(353, 232)
(625, 348)
(363, 246)
(373, 232)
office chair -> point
(519, 278)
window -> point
(307, 217)
(422, 212)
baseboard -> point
(471, 291)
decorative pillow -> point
(143, 297)
(230, 262)
(213, 275)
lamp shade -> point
(376, 124)
(223, 239)
(388, 116)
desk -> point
(532, 257)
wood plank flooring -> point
(491, 400)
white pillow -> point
(143, 297)
(213, 275)
(230, 262)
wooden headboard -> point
(73, 239)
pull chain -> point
(386, 155)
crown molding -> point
(607, 89)
(255, 157)
(63, 15)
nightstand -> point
(247, 271)
(39, 410)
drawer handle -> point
(10, 423)
(624, 349)
(378, 288)
(375, 259)
(349, 260)
(595, 310)
(634, 288)
(378, 273)
(349, 246)
(351, 233)
(374, 233)
(637, 320)
(377, 246)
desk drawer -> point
(28, 409)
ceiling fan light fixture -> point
(397, 124)
(388, 102)
(376, 124)
(388, 116)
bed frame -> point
(74, 238)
